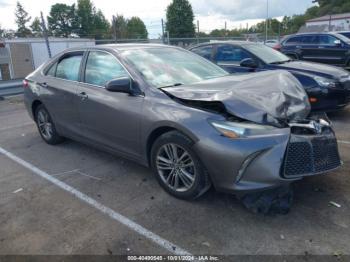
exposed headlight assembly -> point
(240, 130)
(324, 82)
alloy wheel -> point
(45, 124)
(176, 167)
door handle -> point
(43, 84)
(83, 96)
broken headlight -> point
(240, 130)
(324, 82)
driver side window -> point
(228, 54)
(102, 67)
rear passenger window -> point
(102, 67)
(231, 54)
(310, 39)
(294, 40)
(204, 51)
(68, 67)
(52, 70)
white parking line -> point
(16, 126)
(174, 249)
(344, 142)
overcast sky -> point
(211, 14)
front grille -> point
(311, 156)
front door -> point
(109, 118)
(229, 58)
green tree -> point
(85, 17)
(120, 27)
(136, 28)
(62, 20)
(22, 18)
(101, 26)
(92, 22)
(180, 18)
(37, 30)
(1, 32)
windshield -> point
(343, 37)
(267, 54)
(162, 67)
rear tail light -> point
(277, 47)
(25, 83)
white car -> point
(272, 43)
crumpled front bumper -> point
(253, 164)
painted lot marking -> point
(172, 248)
(77, 171)
(344, 142)
(17, 126)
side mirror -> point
(337, 42)
(121, 85)
(248, 62)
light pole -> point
(267, 19)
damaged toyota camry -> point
(189, 120)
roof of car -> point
(232, 42)
(119, 47)
(316, 33)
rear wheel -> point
(177, 167)
(46, 126)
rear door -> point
(109, 118)
(58, 92)
(308, 48)
(229, 58)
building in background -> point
(339, 22)
(20, 56)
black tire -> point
(201, 181)
(54, 138)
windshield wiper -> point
(176, 84)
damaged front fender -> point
(271, 97)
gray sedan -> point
(189, 120)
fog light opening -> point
(313, 100)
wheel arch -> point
(162, 129)
(35, 105)
(292, 54)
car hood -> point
(313, 68)
(269, 97)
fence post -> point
(45, 34)
(163, 31)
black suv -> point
(328, 86)
(329, 48)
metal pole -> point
(267, 19)
(197, 31)
(168, 37)
(114, 29)
(225, 29)
(45, 34)
(163, 31)
(330, 22)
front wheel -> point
(177, 167)
(46, 126)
